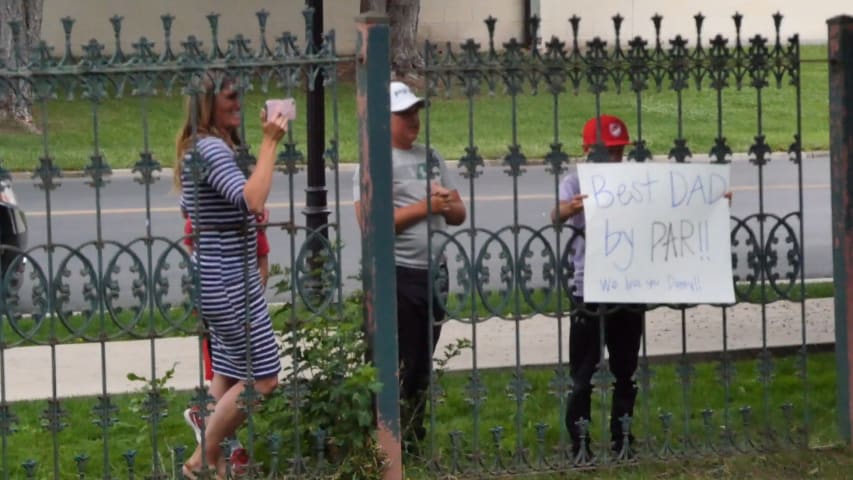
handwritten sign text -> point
(656, 233)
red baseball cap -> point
(614, 132)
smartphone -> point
(285, 107)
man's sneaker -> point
(194, 419)
(239, 461)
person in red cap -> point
(623, 324)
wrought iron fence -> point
(514, 270)
(139, 285)
(127, 283)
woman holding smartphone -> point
(222, 203)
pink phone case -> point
(286, 107)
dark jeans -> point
(623, 329)
(415, 352)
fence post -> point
(316, 205)
(841, 177)
(373, 75)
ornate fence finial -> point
(656, 20)
(738, 18)
(144, 51)
(215, 51)
(168, 55)
(310, 47)
(42, 56)
(239, 49)
(264, 49)
(192, 51)
(533, 25)
(617, 25)
(699, 19)
(575, 21)
(777, 25)
(118, 55)
(94, 54)
(67, 25)
(490, 26)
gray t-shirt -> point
(569, 187)
(410, 184)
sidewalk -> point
(78, 366)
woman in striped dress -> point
(222, 204)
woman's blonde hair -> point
(200, 122)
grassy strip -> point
(70, 132)
(82, 438)
(668, 395)
(827, 463)
(127, 325)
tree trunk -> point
(16, 103)
(403, 16)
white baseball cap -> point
(402, 97)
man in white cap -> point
(414, 168)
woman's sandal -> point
(188, 473)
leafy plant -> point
(151, 402)
(324, 409)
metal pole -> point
(373, 73)
(316, 208)
(841, 178)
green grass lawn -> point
(667, 396)
(82, 438)
(69, 137)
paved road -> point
(123, 219)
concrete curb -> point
(29, 376)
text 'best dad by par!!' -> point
(657, 233)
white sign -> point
(656, 233)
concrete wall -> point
(458, 20)
(806, 18)
(440, 20)
(142, 18)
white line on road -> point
(278, 205)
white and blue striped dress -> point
(231, 296)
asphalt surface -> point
(123, 211)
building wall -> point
(440, 20)
(808, 19)
(456, 21)
(142, 18)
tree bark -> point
(16, 103)
(403, 17)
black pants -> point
(623, 329)
(413, 342)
